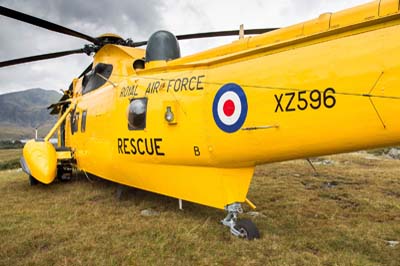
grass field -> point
(9, 159)
(347, 215)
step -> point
(64, 153)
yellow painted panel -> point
(355, 15)
(318, 25)
(216, 187)
(289, 33)
(63, 155)
(388, 7)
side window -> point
(76, 122)
(96, 77)
(137, 111)
(83, 122)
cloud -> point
(134, 19)
(312, 8)
(95, 17)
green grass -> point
(304, 221)
(9, 159)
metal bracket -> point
(230, 220)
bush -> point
(12, 164)
(11, 144)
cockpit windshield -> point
(96, 77)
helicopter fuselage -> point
(312, 89)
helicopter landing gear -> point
(33, 181)
(64, 171)
(243, 228)
(121, 192)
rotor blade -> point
(214, 34)
(138, 44)
(39, 57)
(222, 33)
(44, 24)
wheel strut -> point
(243, 228)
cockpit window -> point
(96, 77)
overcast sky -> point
(136, 19)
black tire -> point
(59, 173)
(33, 181)
(247, 228)
(63, 175)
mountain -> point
(21, 112)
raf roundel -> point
(230, 108)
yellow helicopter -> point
(195, 127)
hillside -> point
(22, 111)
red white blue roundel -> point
(230, 108)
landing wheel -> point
(64, 173)
(247, 229)
(33, 181)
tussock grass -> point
(343, 216)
